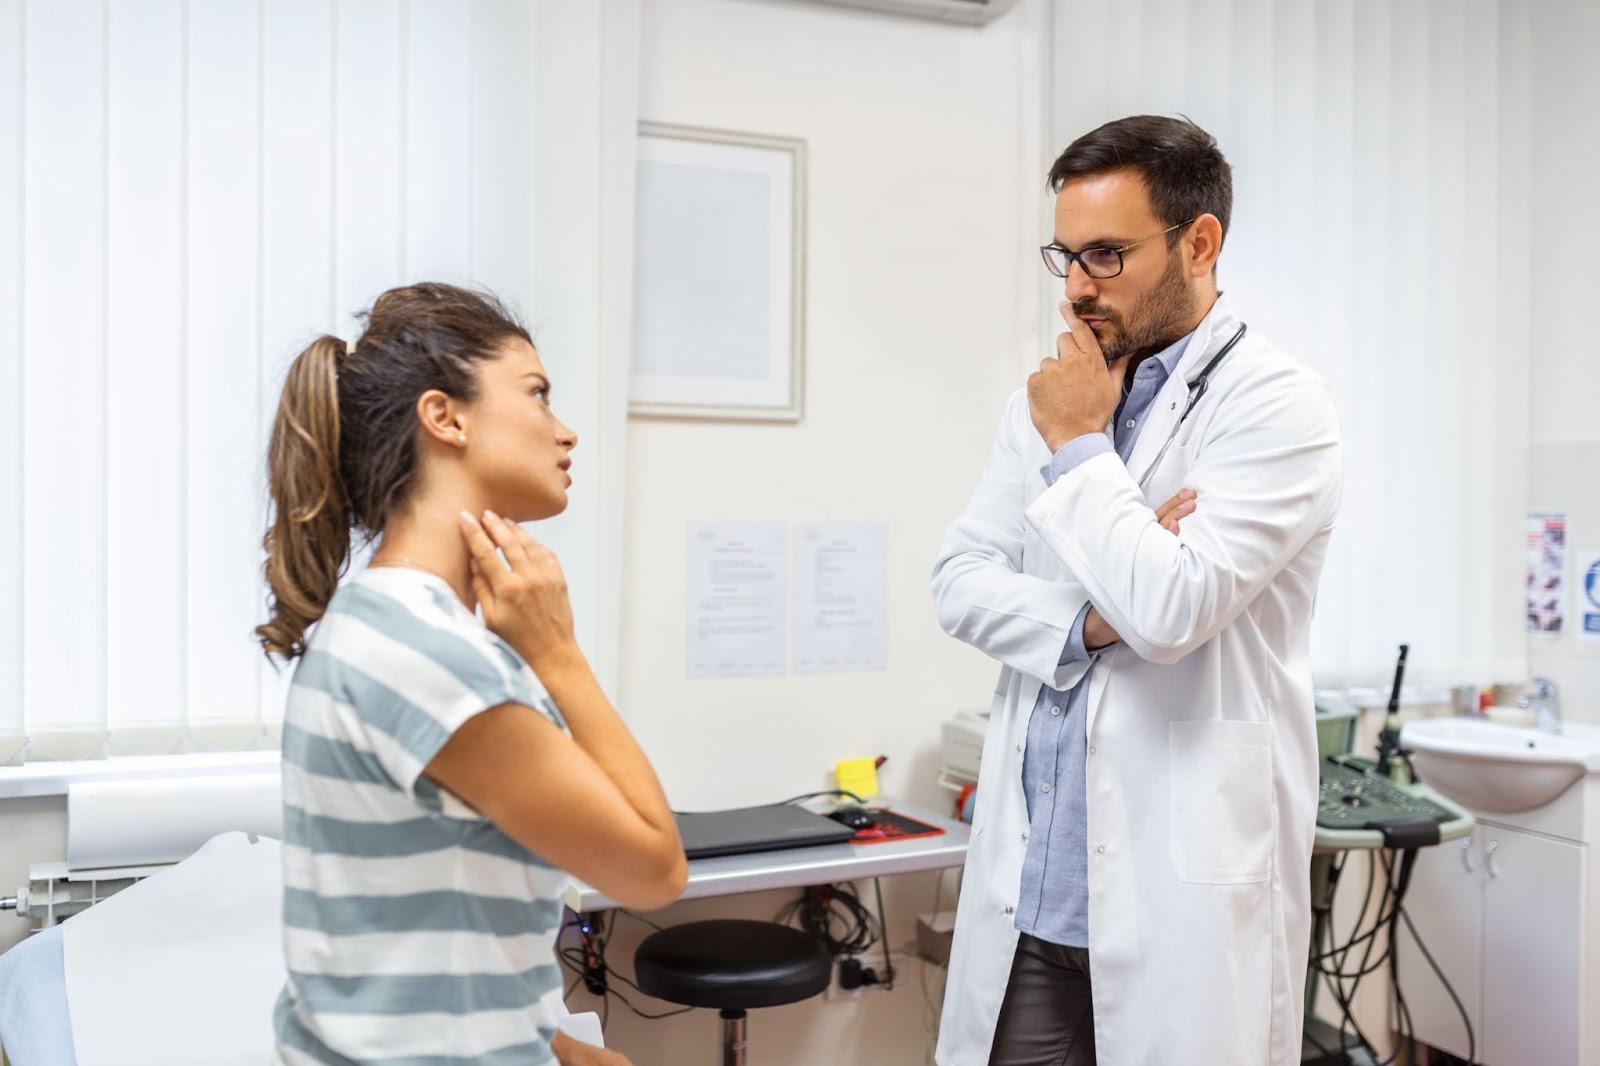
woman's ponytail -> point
(308, 541)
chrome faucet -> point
(1545, 702)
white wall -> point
(926, 198)
(1564, 403)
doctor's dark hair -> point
(343, 455)
(1183, 169)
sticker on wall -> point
(1547, 568)
(1589, 590)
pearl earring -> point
(461, 438)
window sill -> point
(52, 778)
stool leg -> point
(733, 1038)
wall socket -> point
(905, 968)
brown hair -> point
(1184, 171)
(343, 454)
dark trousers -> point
(1047, 1017)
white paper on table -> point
(584, 1028)
(1588, 592)
(1547, 572)
(840, 596)
(141, 823)
(183, 967)
(737, 574)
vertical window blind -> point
(1380, 234)
(190, 192)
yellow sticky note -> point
(859, 776)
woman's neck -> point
(428, 537)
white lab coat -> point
(1201, 767)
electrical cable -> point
(1404, 1028)
(1343, 952)
(1472, 1045)
(1397, 880)
(820, 907)
(828, 792)
(1333, 963)
(643, 1014)
(586, 961)
(793, 799)
(641, 918)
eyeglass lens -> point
(1096, 262)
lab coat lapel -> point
(1209, 336)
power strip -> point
(904, 964)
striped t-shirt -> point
(416, 932)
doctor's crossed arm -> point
(1097, 632)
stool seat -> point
(732, 964)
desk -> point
(796, 867)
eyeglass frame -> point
(1077, 257)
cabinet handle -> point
(1488, 858)
(1466, 855)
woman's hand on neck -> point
(427, 536)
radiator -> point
(121, 831)
(54, 891)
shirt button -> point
(1019, 749)
(1055, 710)
(1009, 910)
(1024, 838)
(1091, 749)
(1101, 850)
(1044, 787)
(1131, 423)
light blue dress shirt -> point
(1054, 901)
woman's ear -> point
(1205, 244)
(441, 418)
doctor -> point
(1137, 888)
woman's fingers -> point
(479, 543)
(482, 591)
(505, 538)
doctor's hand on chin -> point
(570, 1052)
(1074, 392)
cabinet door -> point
(1532, 910)
(1445, 904)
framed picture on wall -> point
(719, 275)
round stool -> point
(732, 965)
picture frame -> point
(719, 275)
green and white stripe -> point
(416, 932)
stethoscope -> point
(1197, 389)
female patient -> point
(439, 772)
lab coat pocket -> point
(1221, 801)
(1167, 477)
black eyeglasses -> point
(1098, 263)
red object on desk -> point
(887, 825)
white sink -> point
(1492, 767)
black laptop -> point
(751, 829)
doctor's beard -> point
(1160, 317)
